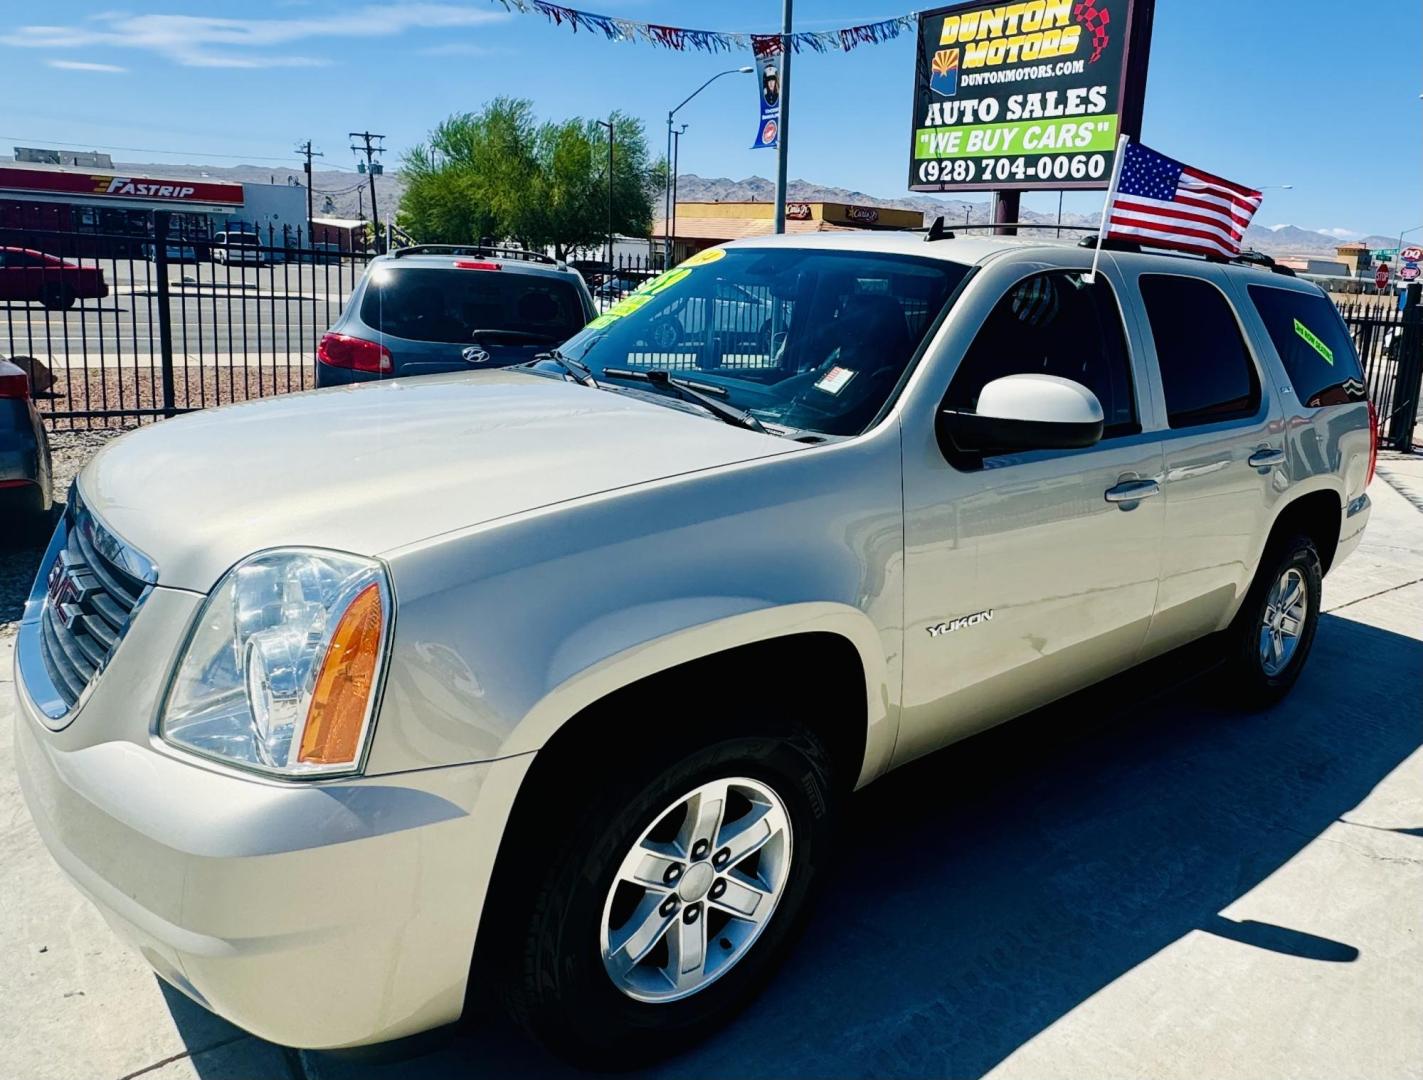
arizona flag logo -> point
(944, 72)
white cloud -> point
(206, 41)
(1342, 234)
(86, 65)
(457, 48)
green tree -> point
(500, 173)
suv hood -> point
(370, 468)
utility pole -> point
(783, 138)
(676, 153)
(369, 146)
(306, 150)
(608, 123)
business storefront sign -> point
(1026, 95)
(44, 183)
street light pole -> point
(669, 193)
(782, 136)
(676, 151)
(608, 123)
(1401, 235)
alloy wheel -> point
(695, 891)
(1286, 608)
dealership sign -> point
(1026, 95)
(146, 189)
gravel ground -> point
(70, 451)
(132, 387)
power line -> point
(152, 150)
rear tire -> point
(1269, 641)
(57, 297)
(583, 983)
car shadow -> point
(986, 891)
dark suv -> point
(436, 308)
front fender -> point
(691, 636)
(506, 631)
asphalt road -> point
(1137, 882)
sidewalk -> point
(1176, 892)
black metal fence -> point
(122, 329)
(125, 328)
(1388, 332)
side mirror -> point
(1025, 412)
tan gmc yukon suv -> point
(554, 679)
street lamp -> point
(669, 191)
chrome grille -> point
(92, 585)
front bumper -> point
(315, 915)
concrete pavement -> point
(1138, 882)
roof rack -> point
(484, 251)
(1043, 226)
(1248, 257)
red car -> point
(56, 283)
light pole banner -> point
(1026, 95)
(767, 50)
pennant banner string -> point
(682, 39)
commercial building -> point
(700, 225)
(117, 208)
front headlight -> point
(280, 674)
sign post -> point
(1013, 98)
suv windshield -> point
(798, 337)
(452, 304)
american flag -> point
(1163, 203)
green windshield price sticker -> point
(630, 303)
(1314, 343)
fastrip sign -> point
(147, 189)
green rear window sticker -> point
(1312, 340)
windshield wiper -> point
(687, 392)
(577, 369)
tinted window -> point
(803, 338)
(454, 305)
(1313, 344)
(1206, 371)
(1054, 324)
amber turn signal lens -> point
(344, 685)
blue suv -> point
(439, 308)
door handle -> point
(1266, 458)
(1130, 491)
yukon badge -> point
(960, 623)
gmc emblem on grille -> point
(60, 591)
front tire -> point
(58, 297)
(672, 899)
(1270, 639)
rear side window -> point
(1313, 344)
(1206, 371)
(458, 306)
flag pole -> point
(1121, 155)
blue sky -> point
(1321, 95)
